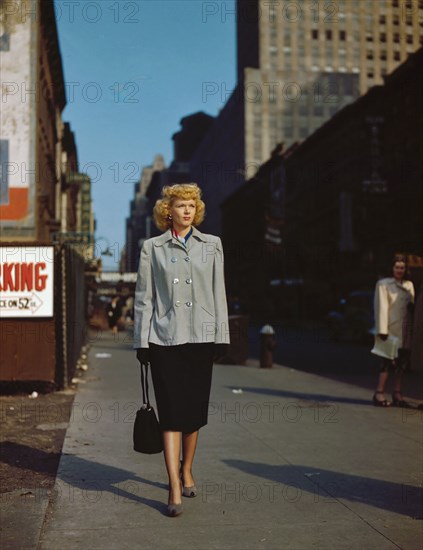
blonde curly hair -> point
(181, 191)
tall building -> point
(138, 224)
(43, 200)
(193, 129)
(31, 127)
(326, 216)
(298, 63)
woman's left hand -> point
(143, 356)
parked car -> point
(353, 320)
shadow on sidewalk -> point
(85, 475)
(328, 486)
(312, 397)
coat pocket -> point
(163, 310)
(207, 310)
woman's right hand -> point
(143, 355)
(383, 337)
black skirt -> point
(182, 380)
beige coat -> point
(391, 312)
(180, 293)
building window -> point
(370, 74)
(396, 37)
(369, 55)
(395, 3)
(4, 176)
(382, 19)
(5, 42)
(328, 34)
(303, 132)
(397, 56)
(318, 110)
(314, 34)
(369, 37)
(409, 39)
(396, 20)
(383, 55)
(383, 37)
(342, 35)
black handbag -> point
(147, 433)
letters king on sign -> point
(26, 281)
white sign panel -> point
(115, 277)
(26, 281)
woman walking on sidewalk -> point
(180, 321)
(394, 297)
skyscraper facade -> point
(302, 61)
(298, 63)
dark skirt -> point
(398, 365)
(182, 380)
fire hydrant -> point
(267, 345)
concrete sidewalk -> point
(294, 461)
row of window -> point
(409, 4)
(396, 19)
(328, 34)
(396, 38)
(383, 56)
(369, 38)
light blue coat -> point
(180, 293)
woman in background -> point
(394, 297)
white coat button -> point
(173, 259)
(177, 303)
(189, 304)
(175, 281)
(187, 259)
(188, 281)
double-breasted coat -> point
(180, 292)
(391, 308)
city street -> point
(213, 169)
(295, 460)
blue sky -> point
(133, 69)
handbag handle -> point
(144, 385)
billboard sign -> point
(26, 281)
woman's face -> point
(398, 270)
(182, 212)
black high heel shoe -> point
(380, 402)
(400, 402)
